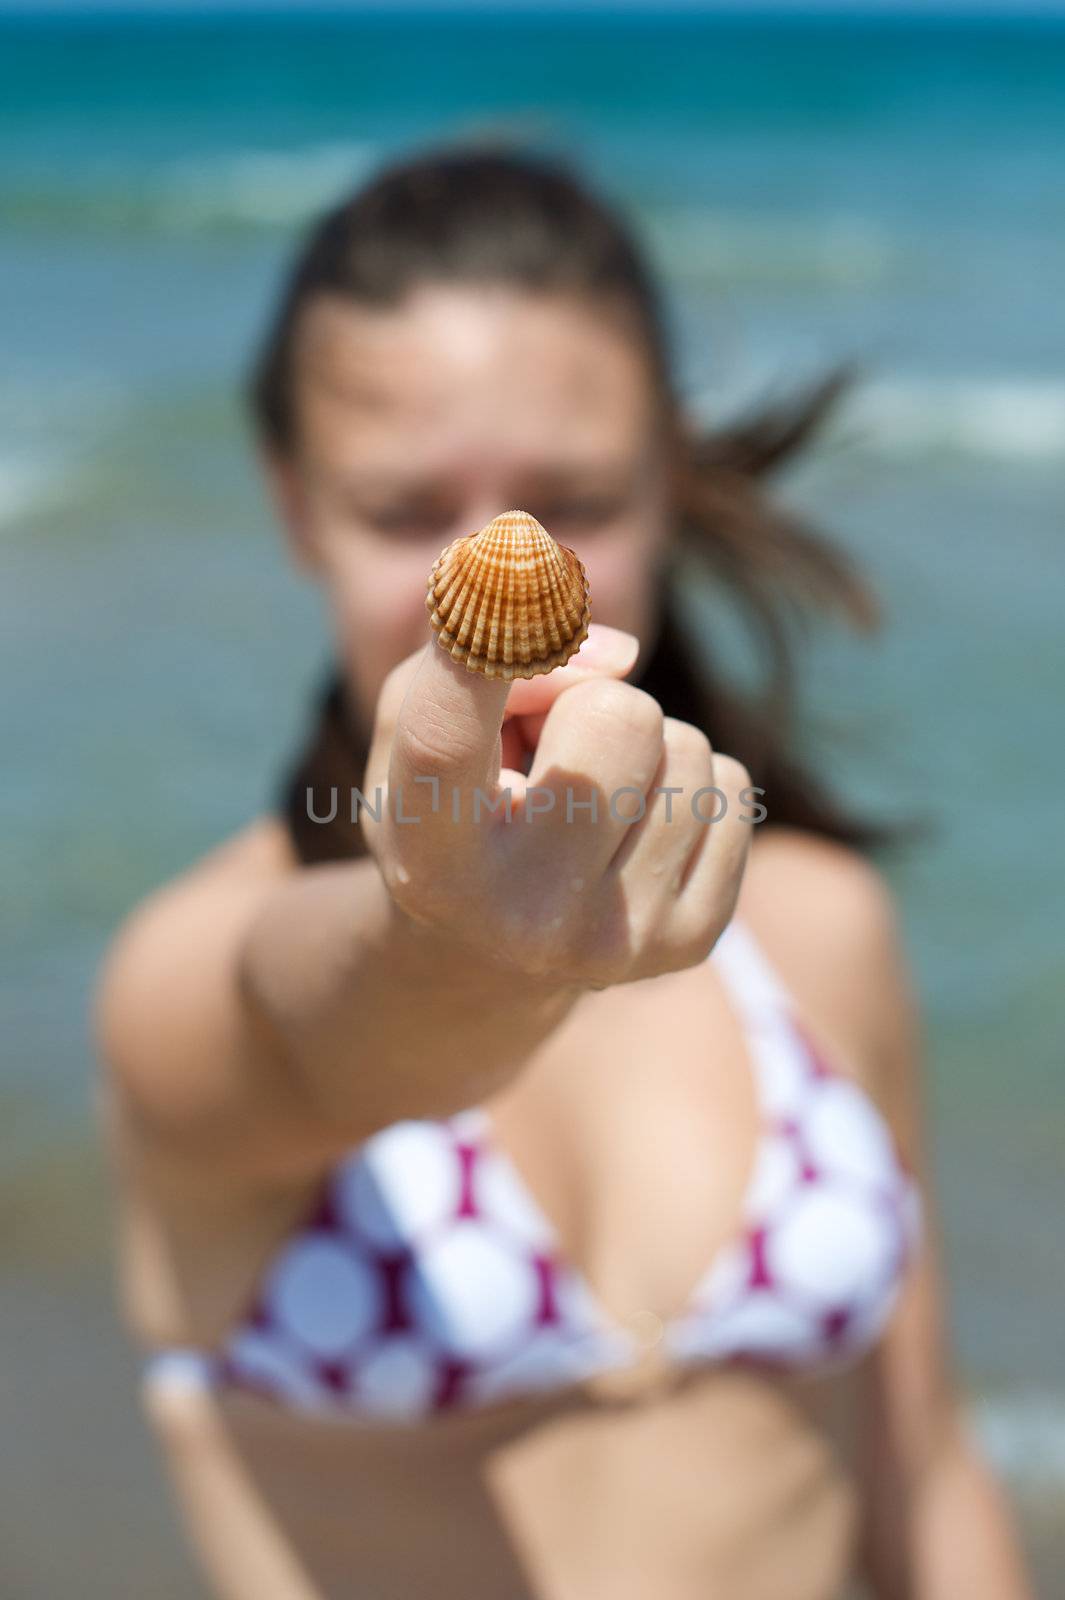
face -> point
(420, 424)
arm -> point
(254, 1028)
(937, 1525)
(256, 1021)
(258, 1029)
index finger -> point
(606, 652)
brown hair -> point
(497, 217)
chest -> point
(635, 1133)
(676, 1181)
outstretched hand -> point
(578, 872)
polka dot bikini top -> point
(428, 1279)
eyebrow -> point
(581, 473)
(375, 485)
(550, 475)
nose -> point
(481, 507)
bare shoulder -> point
(164, 1011)
(202, 900)
(833, 890)
(829, 921)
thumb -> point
(448, 724)
(448, 729)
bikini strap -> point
(181, 1369)
(751, 977)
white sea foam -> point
(1024, 1436)
(269, 188)
(24, 487)
(47, 432)
(1019, 419)
(842, 251)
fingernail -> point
(606, 647)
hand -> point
(589, 878)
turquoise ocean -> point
(886, 192)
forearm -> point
(963, 1539)
(376, 1017)
(939, 1527)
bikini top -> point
(428, 1279)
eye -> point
(407, 521)
(586, 512)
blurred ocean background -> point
(869, 189)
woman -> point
(534, 1210)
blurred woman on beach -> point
(536, 1206)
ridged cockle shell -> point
(509, 602)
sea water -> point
(882, 192)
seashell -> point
(509, 602)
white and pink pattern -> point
(429, 1279)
